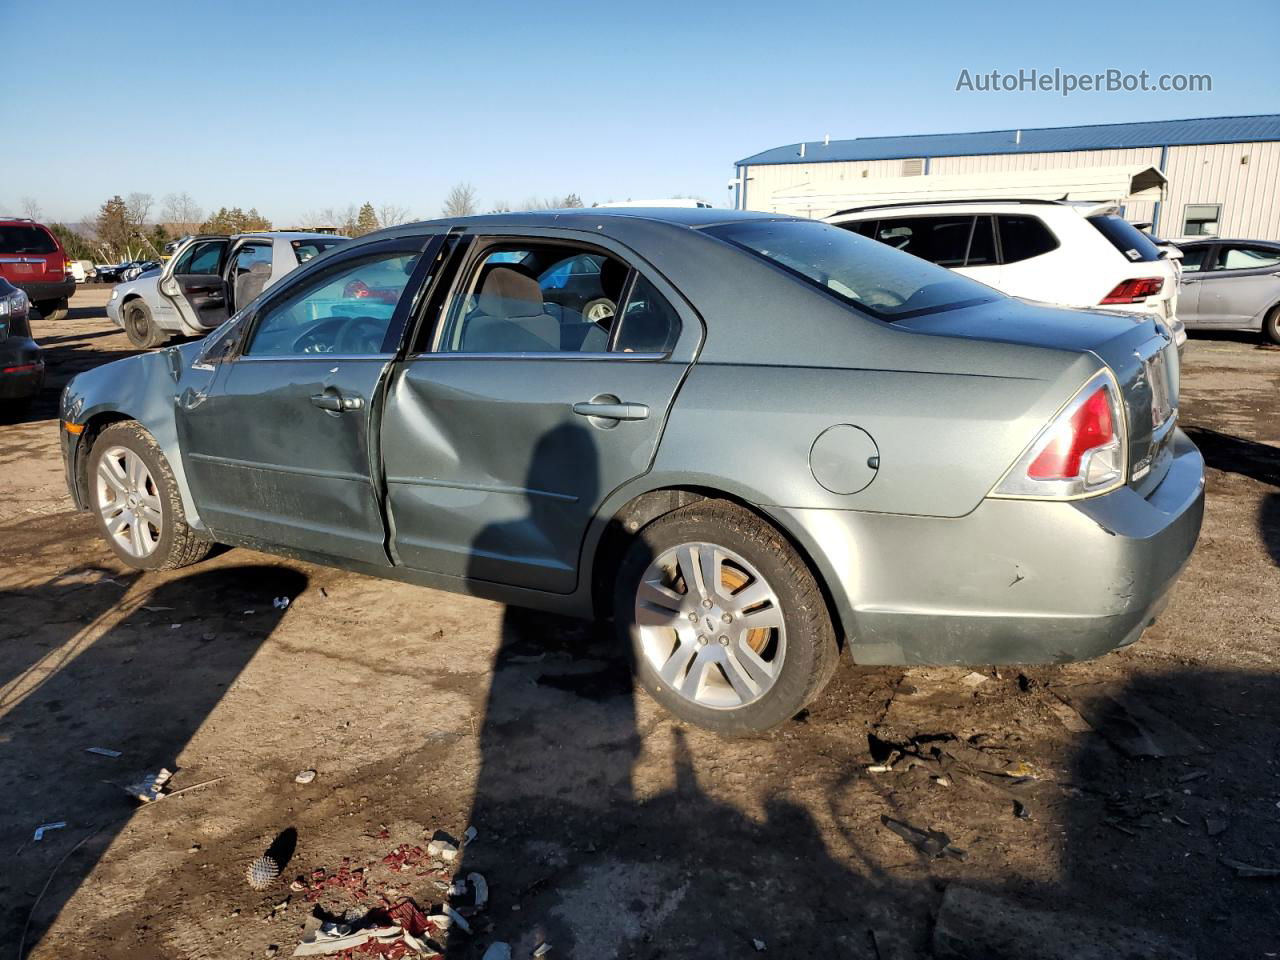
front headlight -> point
(114, 293)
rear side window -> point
(306, 250)
(940, 240)
(1125, 237)
(649, 324)
(1246, 258)
(1023, 237)
(1193, 259)
(24, 238)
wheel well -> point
(647, 507)
(95, 425)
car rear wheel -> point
(53, 309)
(727, 627)
(135, 498)
(140, 327)
(1271, 325)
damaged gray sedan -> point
(754, 442)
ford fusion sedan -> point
(206, 280)
(782, 443)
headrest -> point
(613, 274)
(507, 290)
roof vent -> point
(826, 139)
(802, 149)
(1017, 137)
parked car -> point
(32, 259)
(21, 360)
(1082, 255)
(1231, 285)
(788, 440)
(207, 280)
(137, 268)
(106, 272)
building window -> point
(1201, 219)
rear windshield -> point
(25, 239)
(1127, 238)
(885, 282)
(306, 250)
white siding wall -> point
(1249, 192)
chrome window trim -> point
(317, 357)
(548, 355)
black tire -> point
(811, 649)
(140, 327)
(178, 545)
(599, 304)
(53, 309)
(1271, 325)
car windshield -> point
(884, 282)
(24, 239)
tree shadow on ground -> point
(142, 686)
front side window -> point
(537, 298)
(344, 311)
(1201, 219)
(1246, 258)
(1193, 259)
(202, 257)
(1023, 237)
(940, 240)
(869, 275)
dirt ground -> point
(604, 828)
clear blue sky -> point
(298, 106)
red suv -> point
(32, 259)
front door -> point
(193, 283)
(502, 438)
(278, 451)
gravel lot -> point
(605, 828)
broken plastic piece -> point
(336, 937)
(498, 951)
(758, 944)
(481, 888)
(1243, 869)
(103, 752)
(40, 830)
(305, 776)
(442, 849)
(932, 843)
(281, 603)
(1214, 826)
(543, 949)
(457, 918)
(469, 835)
(973, 679)
(151, 787)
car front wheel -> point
(136, 500)
(727, 627)
(140, 326)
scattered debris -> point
(973, 924)
(1193, 775)
(543, 949)
(156, 609)
(151, 787)
(758, 944)
(280, 603)
(1067, 715)
(40, 830)
(498, 951)
(1243, 869)
(973, 679)
(479, 890)
(457, 918)
(442, 848)
(305, 776)
(932, 843)
(336, 937)
(103, 752)
(1215, 825)
(262, 872)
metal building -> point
(1223, 173)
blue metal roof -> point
(1099, 136)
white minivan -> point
(1072, 254)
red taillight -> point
(1087, 429)
(25, 368)
(1135, 290)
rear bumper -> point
(40, 292)
(23, 384)
(1015, 581)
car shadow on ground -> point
(1248, 458)
(137, 675)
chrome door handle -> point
(611, 411)
(335, 402)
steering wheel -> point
(343, 335)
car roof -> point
(1082, 207)
(1253, 243)
(285, 235)
(587, 217)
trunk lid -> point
(1139, 353)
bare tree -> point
(31, 208)
(501, 206)
(460, 202)
(182, 213)
(138, 207)
(392, 214)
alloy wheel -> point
(710, 626)
(129, 502)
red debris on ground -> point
(410, 917)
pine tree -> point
(366, 221)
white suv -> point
(1082, 255)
